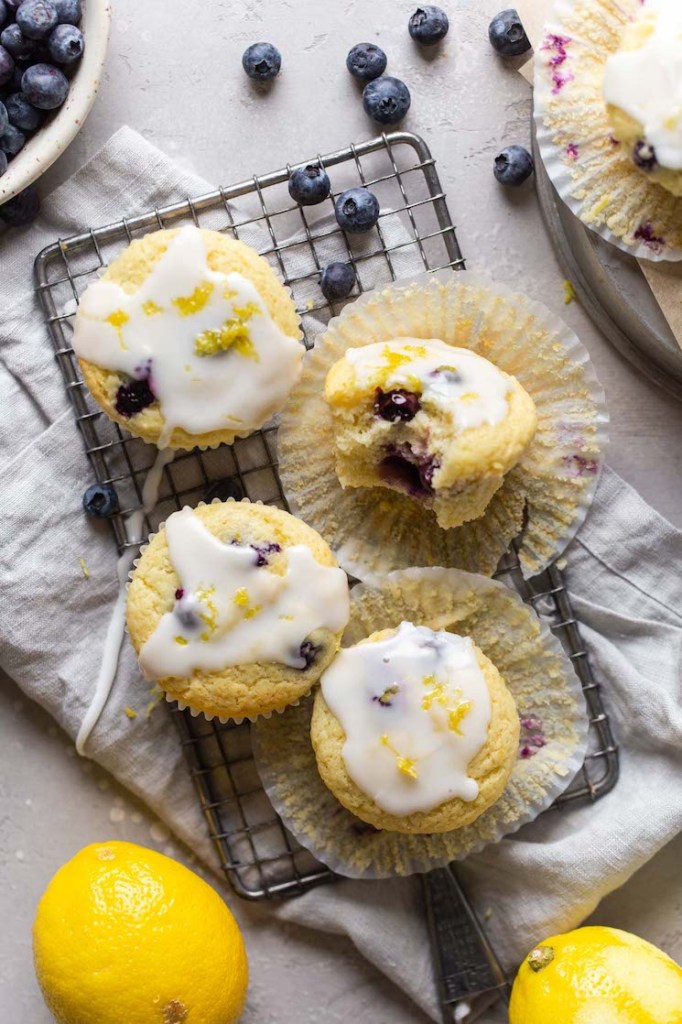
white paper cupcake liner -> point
(376, 530)
(549, 698)
(590, 170)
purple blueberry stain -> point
(179, 593)
(572, 151)
(447, 373)
(557, 45)
(396, 405)
(645, 233)
(308, 652)
(263, 550)
(385, 699)
(133, 397)
(578, 465)
(408, 470)
(186, 610)
(532, 738)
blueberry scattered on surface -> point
(37, 18)
(16, 43)
(133, 397)
(68, 11)
(12, 141)
(396, 405)
(386, 99)
(513, 166)
(507, 34)
(428, 25)
(366, 61)
(309, 185)
(23, 114)
(336, 281)
(223, 490)
(66, 44)
(6, 66)
(21, 209)
(262, 61)
(357, 210)
(45, 86)
(100, 501)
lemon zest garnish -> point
(150, 308)
(118, 318)
(286, 618)
(232, 335)
(406, 766)
(438, 694)
(188, 305)
(181, 640)
(242, 600)
(229, 294)
(158, 697)
(250, 612)
(86, 571)
(210, 616)
(455, 716)
(130, 712)
(469, 396)
(569, 292)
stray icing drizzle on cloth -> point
(202, 340)
(646, 82)
(459, 383)
(232, 609)
(415, 708)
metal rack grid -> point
(259, 857)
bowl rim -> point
(48, 144)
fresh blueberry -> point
(309, 185)
(357, 210)
(3, 162)
(262, 62)
(396, 405)
(4, 119)
(3, 12)
(386, 99)
(66, 44)
(22, 114)
(366, 61)
(100, 501)
(36, 18)
(133, 397)
(428, 25)
(44, 86)
(16, 43)
(309, 653)
(513, 166)
(12, 141)
(644, 156)
(6, 66)
(336, 281)
(68, 11)
(507, 34)
(22, 209)
(224, 489)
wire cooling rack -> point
(259, 857)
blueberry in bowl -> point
(386, 100)
(357, 210)
(366, 61)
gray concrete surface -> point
(174, 74)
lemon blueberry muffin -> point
(236, 609)
(189, 338)
(439, 423)
(643, 92)
(414, 730)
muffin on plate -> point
(643, 92)
(236, 609)
(414, 730)
(436, 422)
(189, 338)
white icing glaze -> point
(116, 628)
(459, 383)
(233, 610)
(167, 317)
(647, 82)
(415, 709)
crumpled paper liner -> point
(591, 171)
(531, 660)
(375, 530)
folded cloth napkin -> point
(547, 877)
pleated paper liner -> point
(549, 700)
(376, 530)
(591, 171)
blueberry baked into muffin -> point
(438, 423)
(414, 730)
(189, 338)
(236, 609)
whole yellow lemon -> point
(597, 976)
(124, 935)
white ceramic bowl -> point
(50, 141)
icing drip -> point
(646, 82)
(415, 709)
(202, 341)
(459, 383)
(231, 608)
(116, 627)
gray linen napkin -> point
(546, 878)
